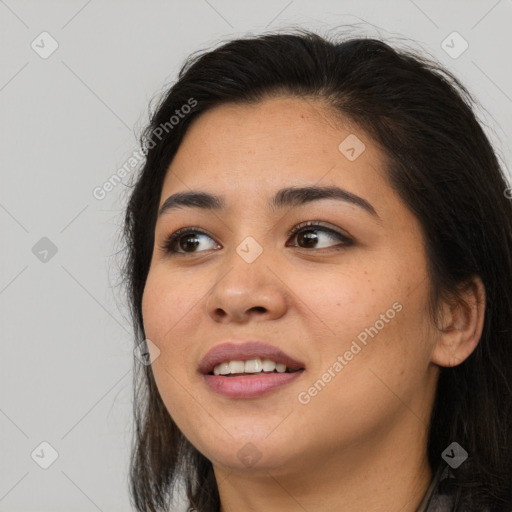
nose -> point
(247, 291)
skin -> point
(360, 443)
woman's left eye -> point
(309, 233)
(189, 238)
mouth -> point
(248, 370)
(249, 385)
(251, 367)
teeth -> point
(237, 366)
(222, 369)
(281, 368)
(253, 366)
(249, 366)
(268, 365)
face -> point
(346, 295)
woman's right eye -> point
(191, 238)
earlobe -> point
(462, 325)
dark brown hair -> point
(443, 167)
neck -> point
(371, 475)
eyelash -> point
(168, 245)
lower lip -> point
(251, 385)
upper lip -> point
(244, 351)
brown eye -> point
(308, 235)
(184, 241)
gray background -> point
(69, 121)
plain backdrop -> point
(76, 79)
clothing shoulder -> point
(446, 497)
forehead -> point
(277, 137)
(271, 130)
(271, 144)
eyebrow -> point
(286, 197)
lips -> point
(245, 351)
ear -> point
(462, 325)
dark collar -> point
(430, 500)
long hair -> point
(444, 169)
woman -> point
(320, 262)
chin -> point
(250, 452)
(249, 457)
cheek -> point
(166, 302)
(385, 358)
(168, 316)
(337, 298)
(378, 323)
(172, 310)
(380, 380)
